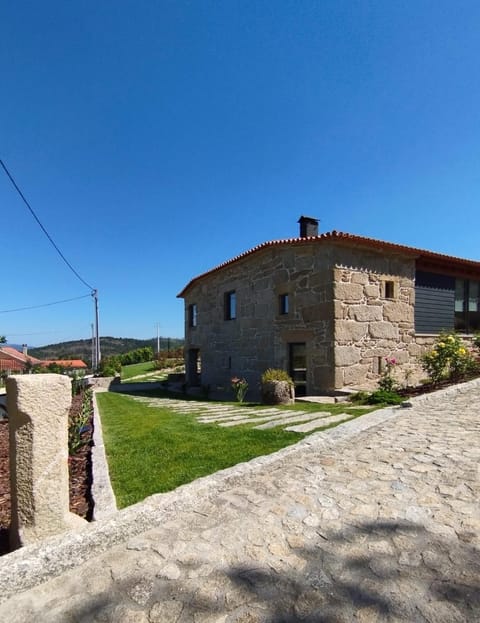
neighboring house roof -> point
(12, 358)
(66, 363)
(9, 352)
(425, 259)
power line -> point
(54, 331)
(42, 227)
(76, 298)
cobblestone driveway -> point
(377, 525)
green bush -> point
(109, 366)
(448, 359)
(382, 396)
(274, 374)
(360, 397)
(164, 363)
(140, 355)
(108, 370)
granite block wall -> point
(352, 306)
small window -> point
(283, 304)
(473, 296)
(192, 315)
(389, 289)
(230, 305)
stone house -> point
(328, 308)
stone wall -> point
(374, 297)
(102, 382)
(352, 306)
(259, 337)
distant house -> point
(12, 360)
(328, 308)
(68, 364)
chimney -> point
(308, 226)
(24, 349)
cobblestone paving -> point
(230, 415)
(384, 526)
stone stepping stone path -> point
(227, 416)
(318, 422)
(307, 417)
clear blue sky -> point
(157, 139)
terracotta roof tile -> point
(348, 239)
(13, 353)
(16, 354)
(66, 363)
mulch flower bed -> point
(80, 474)
(427, 388)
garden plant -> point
(449, 359)
(240, 388)
(387, 392)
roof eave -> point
(438, 259)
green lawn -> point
(151, 450)
(136, 369)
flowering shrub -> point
(448, 359)
(387, 386)
(240, 388)
(387, 382)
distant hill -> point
(82, 349)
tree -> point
(3, 339)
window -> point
(389, 289)
(283, 304)
(192, 315)
(230, 305)
(467, 305)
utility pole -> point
(158, 339)
(93, 349)
(97, 337)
